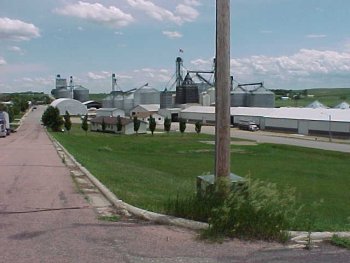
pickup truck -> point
(248, 125)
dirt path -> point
(43, 218)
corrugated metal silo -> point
(166, 99)
(238, 97)
(128, 103)
(261, 97)
(146, 95)
(81, 94)
(63, 93)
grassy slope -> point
(146, 171)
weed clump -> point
(254, 210)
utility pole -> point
(222, 102)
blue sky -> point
(288, 44)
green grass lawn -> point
(329, 97)
(147, 170)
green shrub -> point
(167, 124)
(182, 124)
(67, 121)
(152, 124)
(254, 210)
(198, 127)
(51, 118)
(258, 210)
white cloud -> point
(97, 13)
(316, 36)
(305, 67)
(183, 13)
(192, 2)
(172, 34)
(99, 75)
(187, 13)
(200, 63)
(17, 30)
(16, 49)
(2, 61)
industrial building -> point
(305, 121)
(71, 91)
(74, 107)
(252, 95)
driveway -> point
(44, 218)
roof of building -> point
(341, 115)
(149, 107)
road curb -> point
(119, 204)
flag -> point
(181, 50)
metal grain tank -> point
(63, 93)
(238, 97)
(128, 103)
(81, 94)
(261, 97)
(190, 90)
(146, 95)
(166, 99)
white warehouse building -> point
(306, 121)
(74, 107)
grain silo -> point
(61, 83)
(80, 93)
(238, 97)
(128, 103)
(260, 97)
(190, 90)
(167, 99)
(62, 93)
(146, 95)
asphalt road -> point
(44, 218)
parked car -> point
(248, 125)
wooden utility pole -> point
(222, 102)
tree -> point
(103, 124)
(198, 127)
(84, 124)
(152, 124)
(136, 124)
(167, 124)
(119, 124)
(51, 118)
(67, 121)
(182, 123)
